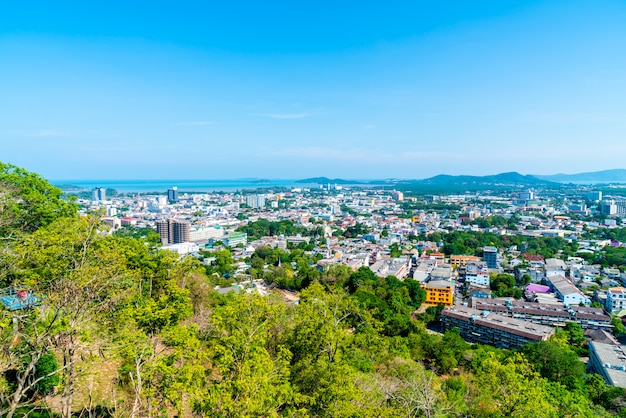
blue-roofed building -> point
(15, 300)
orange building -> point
(461, 260)
(439, 291)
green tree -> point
(250, 359)
(511, 388)
(82, 278)
(28, 202)
(394, 250)
(46, 373)
(556, 363)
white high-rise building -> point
(99, 194)
(255, 200)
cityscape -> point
(396, 240)
(313, 209)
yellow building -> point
(462, 260)
(439, 291)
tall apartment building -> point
(173, 231)
(99, 194)
(172, 194)
(594, 196)
(490, 256)
(526, 196)
(255, 200)
(397, 196)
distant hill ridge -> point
(604, 176)
(511, 178)
(507, 179)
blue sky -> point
(405, 89)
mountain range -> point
(605, 176)
(502, 179)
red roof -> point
(533, 257)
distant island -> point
(326, 180)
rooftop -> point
(613, 360)
(524, 329)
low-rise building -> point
(493, 329)
(438, 292)
(552, 314)
(235, 238)
(609, 361)
(461, 260)
(478, 291)
(476, 273)
(615, 299)
(441, 272)
(567, 291)
(182, 248)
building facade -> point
(493, 329)
(173, 231)
(551, 314)
(255, 200)
(98, 194)
(609, 361)
(439, 292)
(490, 256)
(172, 194)
(615, 299)
(460, 260)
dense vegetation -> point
(460, 242)
(264, 228)
(125, 329)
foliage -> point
(28, 202)
(356, 230)
(46, 369)
(350, 348)
(146, 234)
(556, 363)
(390, 301)
(503, 285)
(263, 227)
(394, 250)
(472, 242)
(618, 326)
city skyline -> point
(286, 91)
